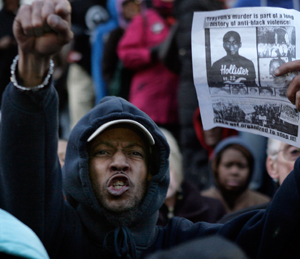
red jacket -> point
(153, 87)
(226, 132)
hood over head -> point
(246, 150)
(76, 181)
(226, 132)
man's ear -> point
(271, 165)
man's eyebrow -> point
(134, 144)
(109, 144)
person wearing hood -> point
(153, 87)
(280, 161)
(208, 140)
(232, 168)
(183, 198)
(116, 171)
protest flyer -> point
(235, 52)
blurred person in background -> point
(187, 97)
(117, 77)
(183, 199)
(232, 168)
(153, 87)
(280, 162)
(86, 16)
(208, 140)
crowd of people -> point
(103, 151)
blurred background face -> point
(233, 170)
(129, 10)
(212, 136)
(11, 5)
(284, 163)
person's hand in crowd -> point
(293, 91)
(41, 30)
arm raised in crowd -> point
(30, 174)
(41, 30)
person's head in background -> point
(175, 160)
(11, 5)
(130, 8)
(232, 166)
(61, 151)
(281, 159)
(164, 7)
(210, 138)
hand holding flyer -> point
(239, 84)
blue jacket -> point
(16, 239)
(31, 184)
(289, 4)
(98, 40)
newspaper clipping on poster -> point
(235, 53)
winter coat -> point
(246, 198)
(154, 87)
(193, 206)
(98, 41)
(192, 151)
(289, 4)
(31, 181)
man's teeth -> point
(118, 184)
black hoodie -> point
(31, 188)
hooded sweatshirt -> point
(31, 184)
(248, 197)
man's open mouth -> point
(118, 184)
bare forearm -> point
(32, 69)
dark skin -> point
(50, 30)
(293, 92)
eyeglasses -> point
(290, 153)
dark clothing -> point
(232, 70)
(6, 55)
(235, 214)
(204, 179)
(213, 247)
(86, 15)
(116, 76)
(32, 189)
(192, 206)
(187, 97)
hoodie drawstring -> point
(123, 243)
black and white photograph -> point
(231, 62)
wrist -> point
(32, 70)
(24, 87)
